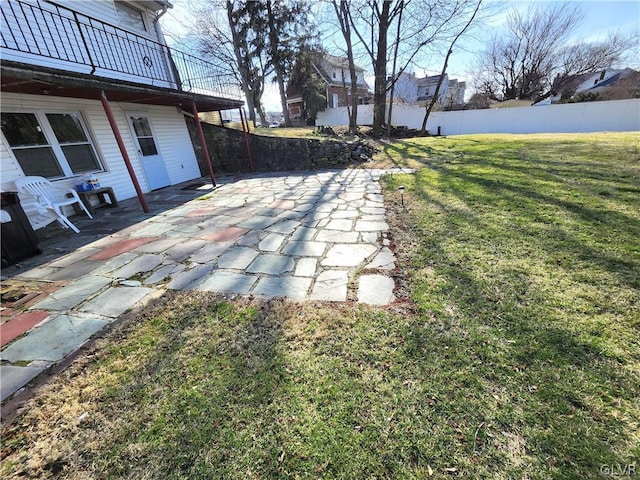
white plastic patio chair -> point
(49, 201)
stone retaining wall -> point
(228, 151)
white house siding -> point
(405, 88)
(174, 143)
(169, 127)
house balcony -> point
(58, 42)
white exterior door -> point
(152, 162)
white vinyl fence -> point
(611, 116)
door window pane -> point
(142, 130)
(141, 126)
(148, 146)
(22, 129)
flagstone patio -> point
(299, 235)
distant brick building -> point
(334, 71)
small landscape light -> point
(401, 190)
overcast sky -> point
(600, 18)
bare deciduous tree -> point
(425, 26)
(226, 34)
(433, 101)
(343, 16)
(522, 62)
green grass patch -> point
(288, 132)
(515, 356)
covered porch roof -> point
(35, 80)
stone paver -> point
(271, 242)
(306, 267)
(287, 226)
(271, 264)
(229, 234)
(289, 287)
(347, 255)
(75, 271)
(331, 285)
(20, 324)
(375, 290)
(228, 282)
(371, 226)
(164, 272)
(14, 377)
(251, 238)
(283, 204)
(304, 233)
(209, 253)
(258, 222)
(183, 250)
(385, 260)
(73, 294)
(121, 247)
(115, 263)
(153, 228)
(335, 236)
(157, 246)
(115, 301)
(189, 279)
(298, 235)
(53, 340)
(303, 248)
(237, 258)
(142, 264)
(73, 257)
(344, 225)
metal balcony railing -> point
(47, 34)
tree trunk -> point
(435, 95)
(277, 64)
(244, 76)
(380, 71)
(393, 70)
(343, 17)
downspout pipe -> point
(123, 150)
(203, 142)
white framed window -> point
(336, 100)
(130, 17)
(50, 144)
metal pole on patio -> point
(127, 161)
(246, 137)
(203, 142)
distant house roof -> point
(428, 81)
(592, 82)
(341, 63)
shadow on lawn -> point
(199, 389)
(543, 376)
(528, 205)
(508, 372)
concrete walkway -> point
(310, 235)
